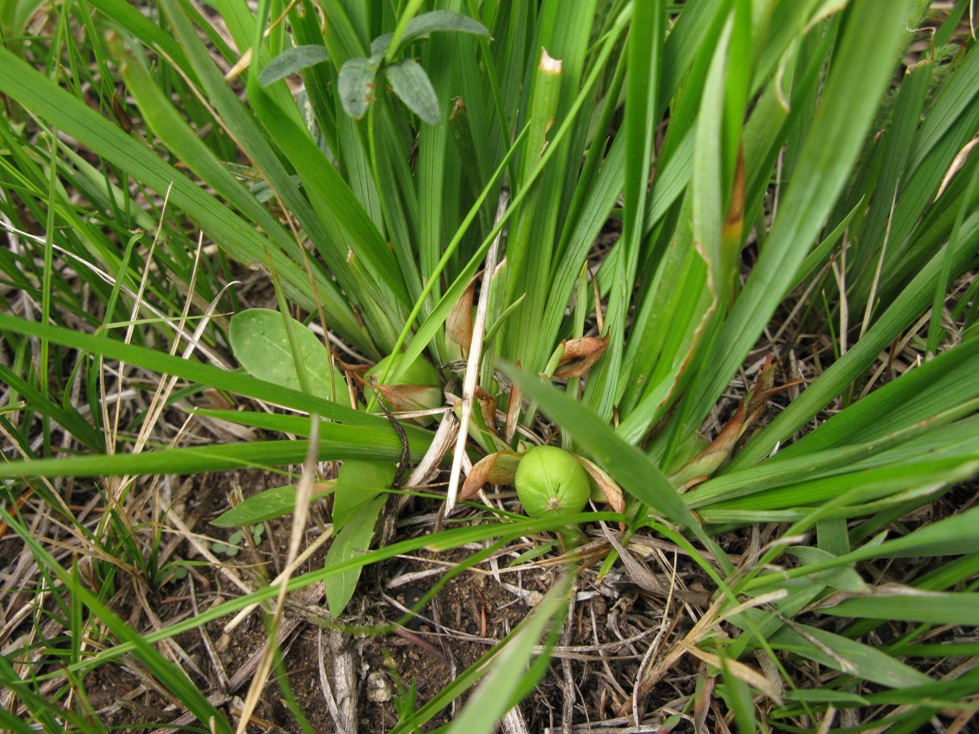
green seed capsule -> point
(550, 481)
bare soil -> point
(376, 663)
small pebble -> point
(378, 687)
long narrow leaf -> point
(870, 43)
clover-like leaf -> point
(410, 82)
(291, 61)
(356, 84)
(440, 20)
(379, 45)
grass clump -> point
(326, 272)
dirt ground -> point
(365, 671)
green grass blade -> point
(930, 439)
(911, 605)
(166, 672)
(70, 115)
(644, 63)
(351, 443)
(937, 386)
(41, 707)
(64, 415)
(529, 247)
(354, 246)
(951, 536)
(254, 143)
(858, 659)
(492, 699)
(915, 298)
(844, 495)
(129, 17)
(848, 103)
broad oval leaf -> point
(356, 85)
(261, 345)
(292, 61)
(410, 82)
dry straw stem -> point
(473, 361)
(304, 490)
